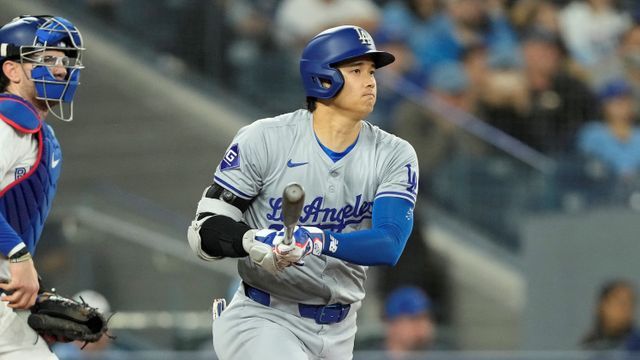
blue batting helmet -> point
(26, 38)
(333, 46)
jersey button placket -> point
(334, 182)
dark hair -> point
(607, 288)
(311, 103)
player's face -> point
(358, 95)
(23, 85)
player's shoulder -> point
(19, 114)
(384, 139)
(280, 123)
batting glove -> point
(260, 247)
(305, 240)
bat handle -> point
(288, 234)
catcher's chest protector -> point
(26, 202)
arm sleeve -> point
(10, 242)
(383, 244)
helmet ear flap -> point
(323, 82)
(315, 78)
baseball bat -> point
(292, 202)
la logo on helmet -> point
(364, 36)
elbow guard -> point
(217, 236)
(195, 240)
(217, 229)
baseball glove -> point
(57, 318)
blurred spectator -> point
(297, 21)
(613, 326)
(401, 79)
(461, 24)
(429, 132)
(528, 15)
(408, 322)
(624, 64)
(475, 62)
(408, 327)
(503, 97)
(402, 18)
(101, 349)
(591, 29)
(253, 49)
(616, 140)
(251, 22)
(560, 103)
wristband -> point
(20, 256)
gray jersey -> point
(270, 153)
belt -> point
(322, 314)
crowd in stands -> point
(543, 72)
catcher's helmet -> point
(25, 39)
(333, 46)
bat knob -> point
(293, 192)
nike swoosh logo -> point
(291, 164)
(54, 162)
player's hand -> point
(260, 247)
(306, 240)
(23, 286)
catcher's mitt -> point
(57, 318)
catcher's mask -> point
(28, 38)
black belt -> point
(322, 314)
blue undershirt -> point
(335, 156)
(392, 222)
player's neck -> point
(335, 130)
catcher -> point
(40, 65)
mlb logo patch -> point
(231, 158)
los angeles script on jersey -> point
(325, 217)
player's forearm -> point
(380, 245)
(367, 247)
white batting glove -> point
(259, 245)
(305, 240)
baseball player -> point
(40, 57)
(299, 301)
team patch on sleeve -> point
(231, 158)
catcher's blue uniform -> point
(25, 203)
